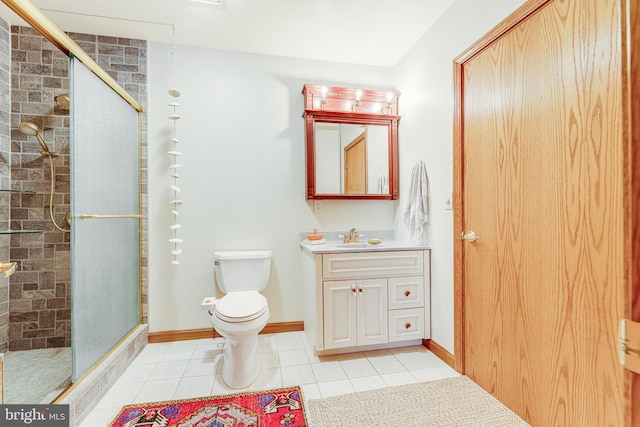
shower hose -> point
(53, 174)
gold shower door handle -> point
(87, 216)
(470, 236)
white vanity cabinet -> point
(366, 300)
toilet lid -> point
(241, 306)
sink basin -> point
(352, 245)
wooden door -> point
(545, 177)
(355, 166)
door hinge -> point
(629, 345)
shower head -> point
(63, 100)
(28, 128)
(31, 129)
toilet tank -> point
(242, 270)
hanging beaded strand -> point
(175, 175)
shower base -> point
(36, 376)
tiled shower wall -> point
(39, 305)
(5, 175)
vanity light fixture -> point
(323, 100)
(357, 103)
(352, 100)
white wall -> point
(327, 158)
(425, 78)
(243, 180)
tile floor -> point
(185, 369)
(47, 372)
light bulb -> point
(323, 100)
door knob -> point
(470, 236)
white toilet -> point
(242, 313)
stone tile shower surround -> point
(39, 295)
(5, 174)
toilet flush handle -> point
(208, 303)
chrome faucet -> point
(352, 237)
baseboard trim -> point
(195, 334)
(190, 334)
(439, 351)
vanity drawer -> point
(406, 292)
(372, 264)
(406, 324)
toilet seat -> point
(238, 307)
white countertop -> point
(334, 244)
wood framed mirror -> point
(351, 143)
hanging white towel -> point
(382, 185)
(416, 213)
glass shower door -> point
(105, 224)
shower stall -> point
(74, 226)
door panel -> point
(355, 166)
(543, 186)
(105, 253)
(339, 314)
(372, 312)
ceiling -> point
(372, 32)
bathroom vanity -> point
(363, 297)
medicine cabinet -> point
(351, 143)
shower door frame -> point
(41, 23)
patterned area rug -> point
(270, 408)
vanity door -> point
(371, 310)
(355, 313)
(339, 302)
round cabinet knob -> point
(407, 293)
(407, 325)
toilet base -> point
(240, 364)
(240, 360)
